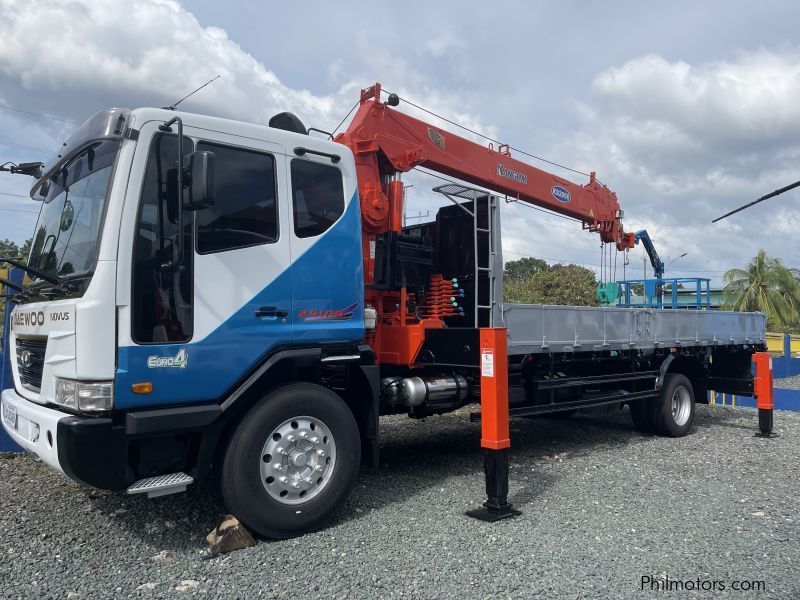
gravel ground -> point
(602, 507)
(788, 383)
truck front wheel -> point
(292, 461)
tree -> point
(524, 268)
(765, 285)
(10, 249)
(25, 249)
(533, 281)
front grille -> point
(30, 361)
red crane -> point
(386, 141)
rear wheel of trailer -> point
(292, 461)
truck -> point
(214, 298)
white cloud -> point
(70, 58)
(680, 142)
(148, 52)
(152, 52)
(683, 143)
(750, 100)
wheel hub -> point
(297, 460)
(681, 405)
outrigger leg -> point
(762, 386)
(495, 439)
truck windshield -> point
(67, 232)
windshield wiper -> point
(54, 279)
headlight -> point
(85, 395)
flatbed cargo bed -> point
(537, 328)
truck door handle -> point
(271, 311)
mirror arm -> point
(177, 261)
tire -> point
(643, 415)
(273, 477)
(675, 409)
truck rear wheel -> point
(675, 411)
(292, 461)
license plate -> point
(10, 415)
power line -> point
(10, 194)
(33, 212)
(23, 146)
(36, 114)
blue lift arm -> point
(655, 260)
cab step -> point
(161, 485)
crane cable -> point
(486, 137)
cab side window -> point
(245, 212)
(162, 303)
(317, 197)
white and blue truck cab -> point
(149, 321)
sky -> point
(684, 109)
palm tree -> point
(765, 285)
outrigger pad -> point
(492, 514)
(765, 424)
(496, 507)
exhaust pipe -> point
(430, 389)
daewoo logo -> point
(504, 171)
(326, 314)
(28, 319)
(561, 194)
(26, 358)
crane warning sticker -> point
(487, 362)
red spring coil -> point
(441, 300)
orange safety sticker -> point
(487, 362)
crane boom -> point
(386, 141)
(650, 248)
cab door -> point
(327, 270)
(198, 328)
(242, 283)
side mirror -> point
(198, 181)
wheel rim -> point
(681, 405)
(298, 459)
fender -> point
(662, 372)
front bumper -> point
(35, 427)
(100, 453)
(87, 449)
